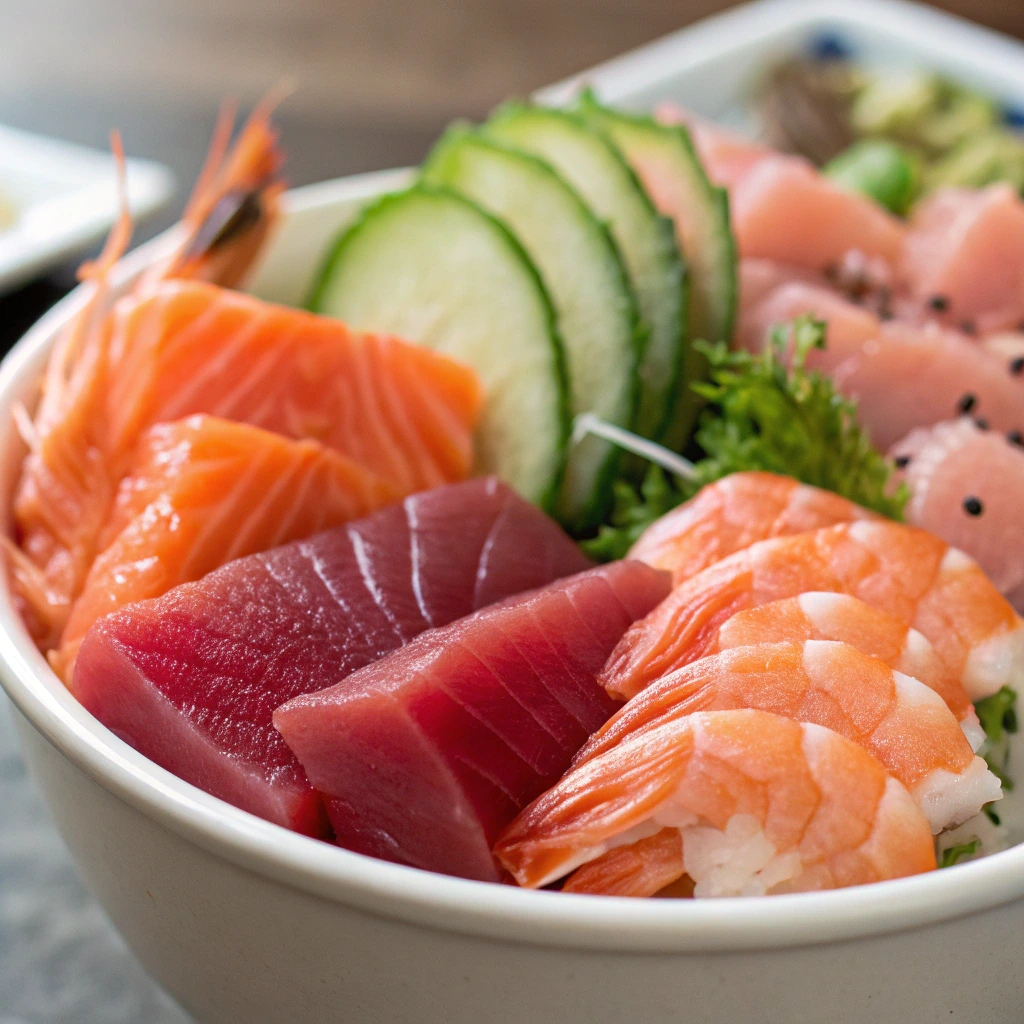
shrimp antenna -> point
(121, 233)
(587, 423)
(213, 164)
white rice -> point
(739, 861)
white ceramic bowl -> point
(245, 922)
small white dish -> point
(63, 198)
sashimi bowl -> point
(244, 921)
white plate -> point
(64, 198)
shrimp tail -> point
(643, 868)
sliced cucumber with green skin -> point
(666, 162)
(595, 168)
(432, 267)
(583, 272)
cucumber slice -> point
(429, 265)
(666, 162)
(598, 172)
(581, 268)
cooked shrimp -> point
(234, 206)
(822, 615)
(734, 513)
(898, 719)
(899, 569)
(763, 805)
(643, 868)
(65, 488)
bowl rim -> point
(407, 894)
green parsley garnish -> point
(790, 420)
(763, 414)
(952, 855)
(998, 717)
(633, 511)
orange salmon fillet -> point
(204, 491)
(186, 347)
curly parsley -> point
(764, 412)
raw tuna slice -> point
(784, 210)
(425, 756)
(191, 679)
(966, 247)
(911, 377)
(967, 487)
(849, 325)
(1008, 346)
(760, 278)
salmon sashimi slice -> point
(967, 487)
(191, 679)
(821, 615)
(965, 248)
(426, 755)
(186, 347)
(901, 570)
(899, 720)
(733, 513)
(762, 805)
(205, 491)
(65, 487)
(784, 209)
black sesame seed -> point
(1016, 437)
(973, 506)
(940, 303)
(902, 461)
(1017, 366)
(969, 327)
(981, 423)
(966, 404)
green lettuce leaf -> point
(952, 854)
(998, 717)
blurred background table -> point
(376, 81)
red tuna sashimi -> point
(909, 377)
(191, 679)
(727, 157)
(784, 210)
(967, 487)
(425, 756)
(966, 246)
